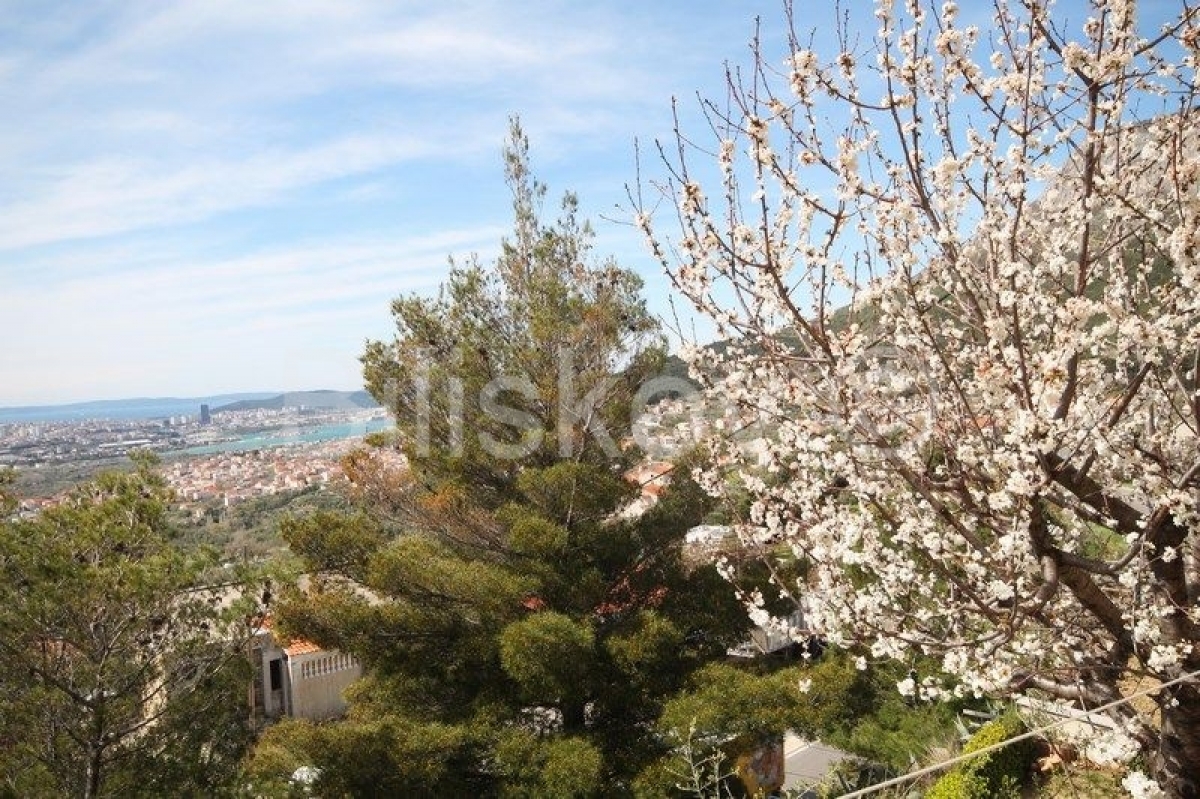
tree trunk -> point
(91, 788)
(95, 755)
(1176, 764)
(574, 717)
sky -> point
(211, 196)
(218, 196)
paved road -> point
(807, 762)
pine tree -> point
(113, 642)
(520, 633)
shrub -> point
(995, 774)
(957, 785)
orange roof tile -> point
(301, 647)
(533, 603)
(294, 647)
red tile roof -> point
(301, 647)
(294, 647)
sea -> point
(299, 435)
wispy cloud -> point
(209, 315)
(116, 195)
(206, 107)
(195, 194)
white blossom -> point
(1142, 787)
(960, 353)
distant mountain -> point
(331, 400)
(126, 409)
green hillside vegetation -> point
(251, 528)
(50, 480)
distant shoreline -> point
(279, 438)
(141, 408)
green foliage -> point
(1101, 543)
(548, 655)
(535, 768)
(727, 702)
(650, 638)
(112, 643)
(201, 739)
(573, 767)
(727, 710)
(382, 757)
(333, 541)
(535, 536)
(542, 304)
(888, 728)
(1074, 781)
(1001, 773)
(570, 493)
(52, 479)
(430, 574)
(515, 628)
(8, 501)
(252, 527)
(959, 785)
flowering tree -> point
(955, 268)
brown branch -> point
(1078, 580)
(1090, 492)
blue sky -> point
(210, 195)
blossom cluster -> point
(968, 314)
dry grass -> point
(1076, 781)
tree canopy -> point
(113, 641)
(519, 631)
(955, 263)
(534, 358)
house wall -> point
(772, 638)
(317, 681)
(270, 703)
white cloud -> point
(222, 318)
(115, 195)
(196, 194)
(188, 110)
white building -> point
(298, 679)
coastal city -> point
(212, 459)
(218, 458)
(33, 445)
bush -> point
(996, 774)
(958, 785)
(884, 727)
